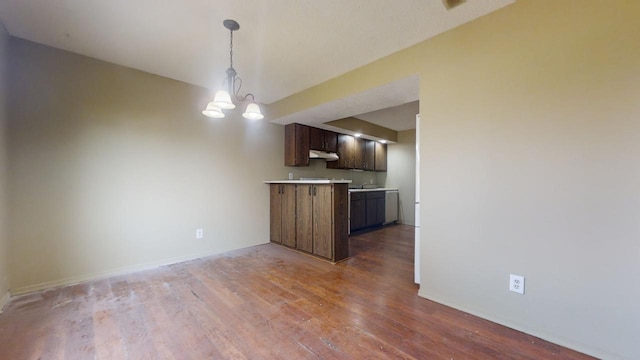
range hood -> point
(316, 154)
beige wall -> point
(529, 165)
(112, 170)
(401, 174)
(4, 283)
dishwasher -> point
(391, 206)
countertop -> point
(320, 181)
(376, 189)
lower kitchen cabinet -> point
(358, 211)
(282, 225)
(375, 208)
(367, 209)
(321, 220)
(319, 214)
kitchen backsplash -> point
(317, 169)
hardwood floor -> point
(263, 302)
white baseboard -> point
(109, 273)
(4, 300)
(553, 338)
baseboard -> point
(4, 300)
(553, 338)
(110, 273)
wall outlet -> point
(290, 176)
(199, 233)
(516, 284)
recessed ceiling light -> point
(357, 134)
(383, 141)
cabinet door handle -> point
(314, 191)
(309, 190)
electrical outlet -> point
(290, 176)
(199, 233)
(516, 284)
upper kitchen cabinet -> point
(353, 153)
(346, 149)
(296, 145)
(323, 140)
(368, 158)
(358, 153)
(380, 157)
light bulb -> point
(223, 100)
(253, 112)
(213, 111)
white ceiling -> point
(282, 47)
(372, 105)
(399, 118)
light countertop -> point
(376, 189)
(319, 181)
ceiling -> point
(282, 47)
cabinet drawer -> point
(357, 196)
(375, 194)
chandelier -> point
(222, 99)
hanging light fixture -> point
(223, 98)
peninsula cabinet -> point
(282, 225)
(321, 220)
(319, 215)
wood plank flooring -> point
(263, 302)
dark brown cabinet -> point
(358, 211)
(282, 225)
(353, 153)
(321, 220)
(319, 214)
(380, 157)
(367, 209)
(358, 153)
(375, 208)
(346, 149)
(296, 145)
(323, 140)
(368, 158)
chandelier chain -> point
(231, 50)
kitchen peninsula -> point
(311, 216)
